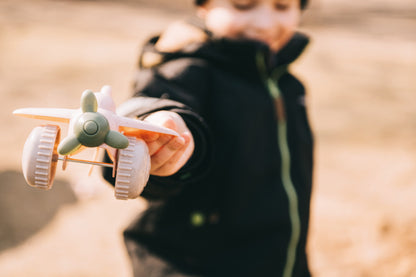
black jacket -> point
(225, 213)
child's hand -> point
(168, 154)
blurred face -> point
(272, 22)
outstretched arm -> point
(180, 93)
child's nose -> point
(263, 20)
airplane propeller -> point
(91, 129)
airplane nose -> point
(90, 127)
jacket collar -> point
(285, 56)
(237, 55)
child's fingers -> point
(173, 164)
(155, 146)
(166, 152)
(148, 136)
(169, 123)
(155, 142)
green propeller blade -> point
(68, 145)
(88, 102)
(116, 140)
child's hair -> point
(302, 3)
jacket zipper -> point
(276, 95)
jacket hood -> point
(190, 39)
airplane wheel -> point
(40, 156)
(133, 169)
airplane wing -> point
(58, 115)
(134, 126)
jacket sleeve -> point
(179, 86)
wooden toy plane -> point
(95, 124)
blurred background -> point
(360, 72)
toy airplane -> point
(95, 124)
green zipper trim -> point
(288, 186)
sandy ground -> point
(360, 72)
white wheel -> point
(133, 169)
(40, 156)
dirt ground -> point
(360, 72)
